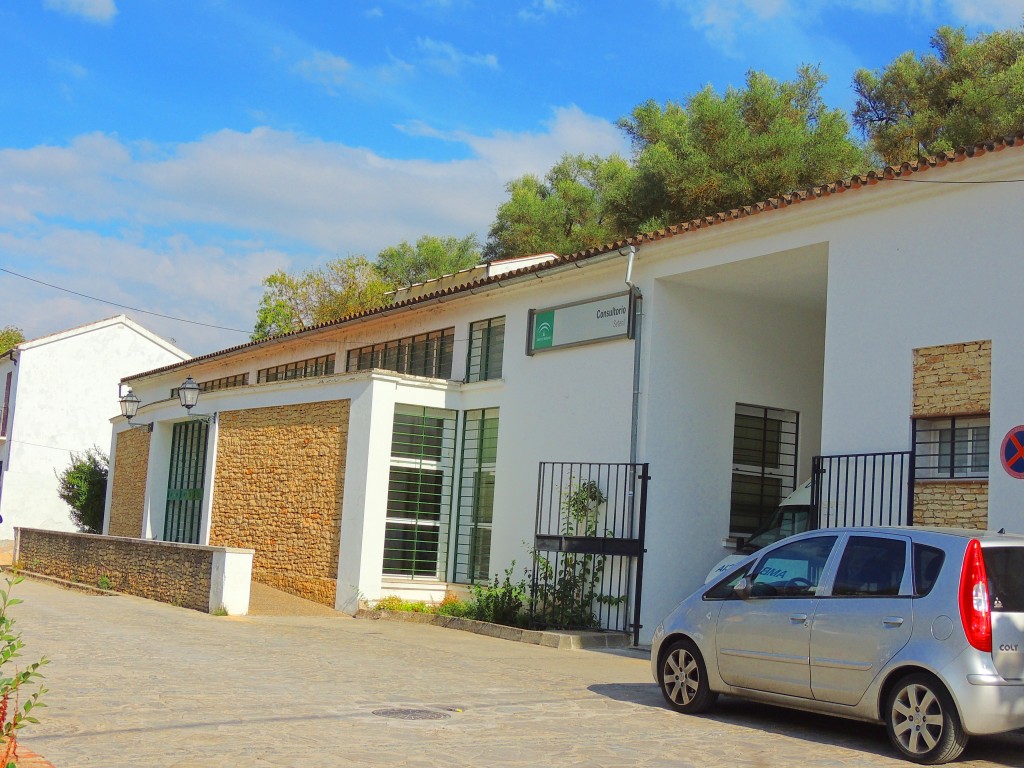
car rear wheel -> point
(684, 679)
(922, 721)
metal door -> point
(183, 513)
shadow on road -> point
(1003, 750)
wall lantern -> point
(130, 406)
(188, 394)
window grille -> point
(427, 354)
(185, 482)
(225, 382)
(954, 447)
(476, 495)
(763, 464)
(486, 348)
(419, 492)
(300, 369)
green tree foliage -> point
(717, 152)
(967, 91)
(10, 336)
(403, 265)
(563, 213)
(83, 487)
(354, 284)
(341, 287)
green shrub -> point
(103, 582)
(500, 602)
(83, 487)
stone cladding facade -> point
(952, 380)
(128, 496)
(278, 489)
(956, 503)
(179, 574)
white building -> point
(59, 393)
(402, 450)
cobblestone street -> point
(134, 683)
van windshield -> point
(786, 521)
(1005, 569)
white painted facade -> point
(814, 308)
(61, 395)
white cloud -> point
(69, 68)
(192, 229)
(996, 13)
(539, 9)
(99, 11)
(725, 22)
(446, 58)
(324, 68)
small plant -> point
(451, 605)
(103, 582)
(390, 603)
(500, 602)
(565, 592)
(13, 715)
(220, 610)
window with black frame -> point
(763, 465)
(951, 447)
(486, 348)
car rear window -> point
(927, 564)
(1005, 569)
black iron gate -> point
(589, 546)
(863, 489)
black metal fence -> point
(863, 489)
(589, 546)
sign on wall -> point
(1011, 455)
(581, 322)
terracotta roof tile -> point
(781, 202)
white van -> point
(792, 516)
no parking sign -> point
(1011, 455)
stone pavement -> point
(135, 683)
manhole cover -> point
(411, 714)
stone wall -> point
(128, 495)
(956, 503)
(179, 574)
(952, 380)
(278, 489)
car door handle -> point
(893, 621)
(798, 618)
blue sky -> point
(170, 155)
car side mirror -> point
(742, 588)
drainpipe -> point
(638, 302)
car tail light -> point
(974, 608)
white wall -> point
(65, 395)
(941, 269)
(709, 350)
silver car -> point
(921, 629)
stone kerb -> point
(203, 578)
